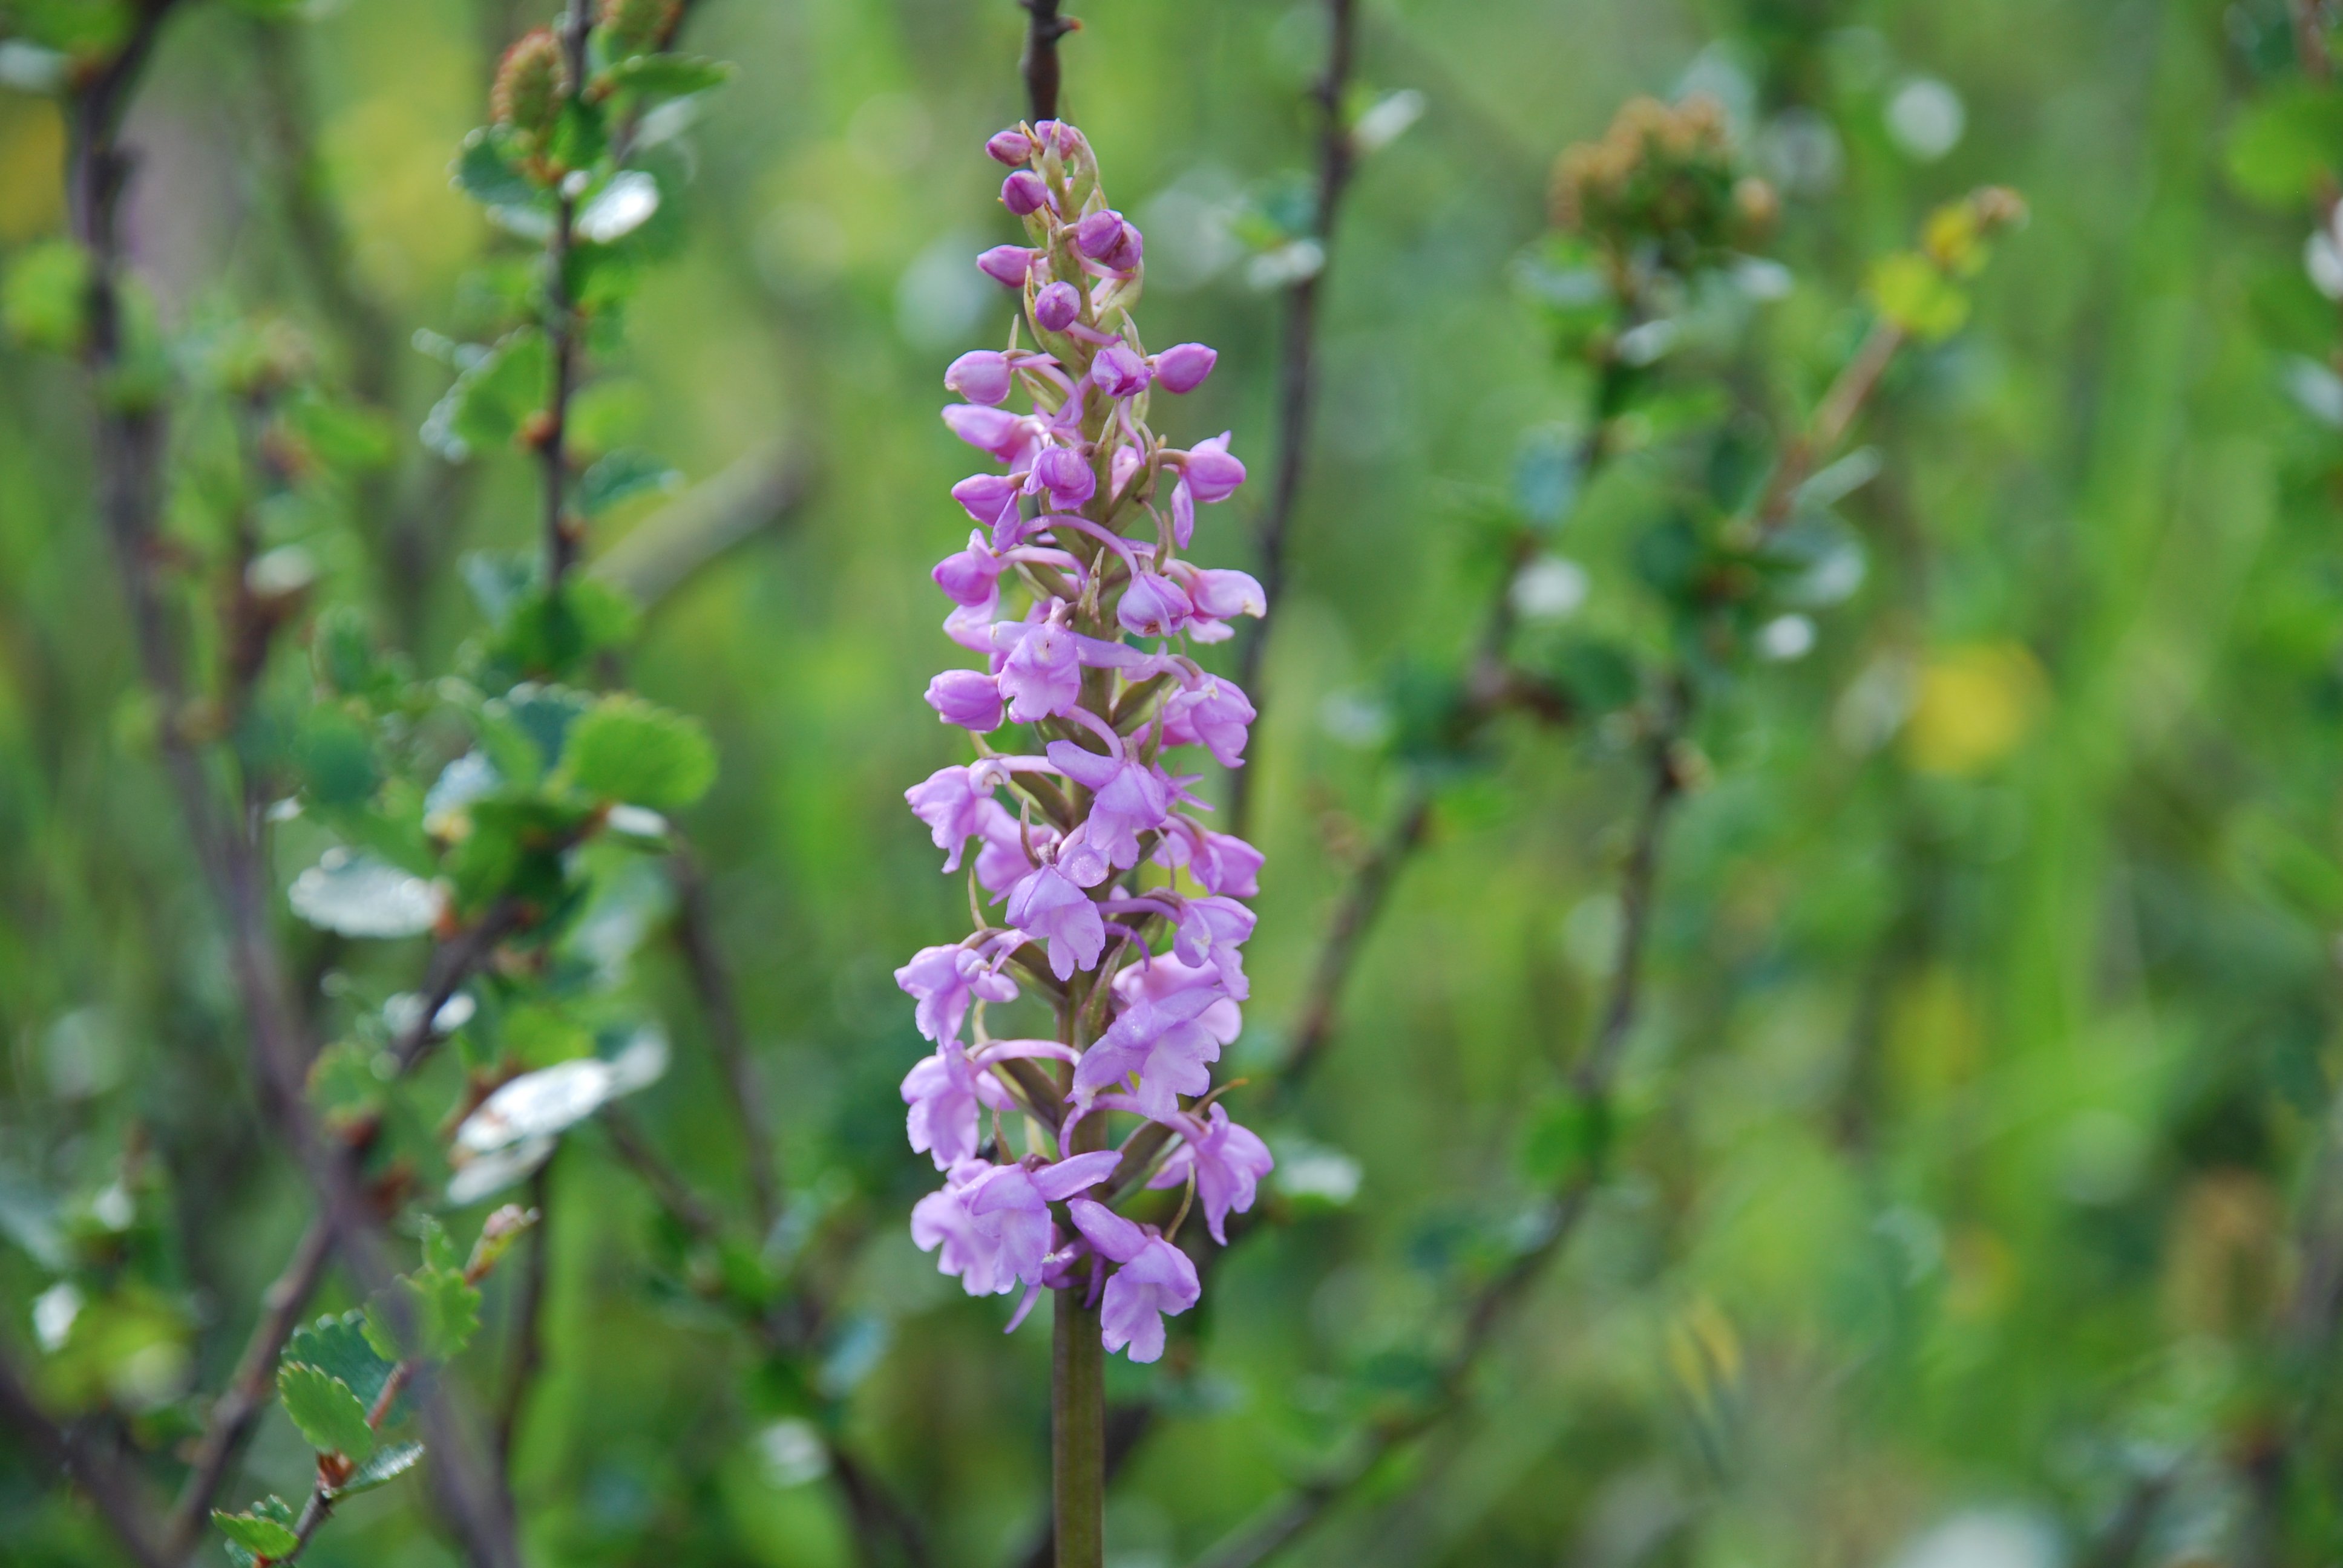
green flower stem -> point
(1078, 1409)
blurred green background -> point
(1990, 1033)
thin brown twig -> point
(409, 1371)
(2306, 1332)
(130, 447)
(2119, 1543)
(675, 1195)
(1298, 371)
(238, 1408)
(1038, 66)
(116, 1492)
(1849, 391)
(877, 1512)
(1491, 687)
(2310, 41)
(246, 1395)
(561, 531)
(451, 963)
(711, 980)
(878, 1516)
(665, 550)
(1592, 1081)
(1362, 901)
(321, 242)
(528, 1354)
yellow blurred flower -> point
(1974, 705)
(32, 165)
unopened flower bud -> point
(1211, 473)
(1125, 254)
(1223, 592)
(981, 376)
(1066, 476)
(532, 80)
(1099, 234)
(638, 26)
(1024, 192)
(1010, 147)
(1007, 264)
(967, 698)
(984, 496)
(1118, 372)
(1056, 307)
(1153, 607)
(1183, 366)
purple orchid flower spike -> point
(981, 376)
(967, 698)
(1057, 306)
(1084, 702)
(944, 982)
(947, 1098)
(1012, 1203)
(1043, 675)
(972, 1252)
(1212, 714)
(1229, 1162)
(1008, 264)
(1154, 1279)
(1183, 366)
(1048, 904)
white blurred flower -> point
(1386, 120)
(54, 1311)
(1287, 265)
(1926, 118)
(1786, 638)
(1549, 589)
(2323, 260)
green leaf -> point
(523, 731)
(1599, 677)
(438, 1249)
(1567, 1139)
(271, 1510)
(343, 1085)
(338, 1347)
(513, 848)
(2281, 144)
(605, 616)
(628, 749)
(44, 296)
(538, 1034)
(554, 634)
(389, 1462)
(345, 435)
(334, 752)
(1909, 290)
(444, 1311)
(261, 1537)
(492, 397)
(330, 1416)
(450, 1312)
(650, 77)
(342, 648)
(499, 581)
(486, 171)
(623, 474)
(580, 137)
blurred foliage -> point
(1966, 1174)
